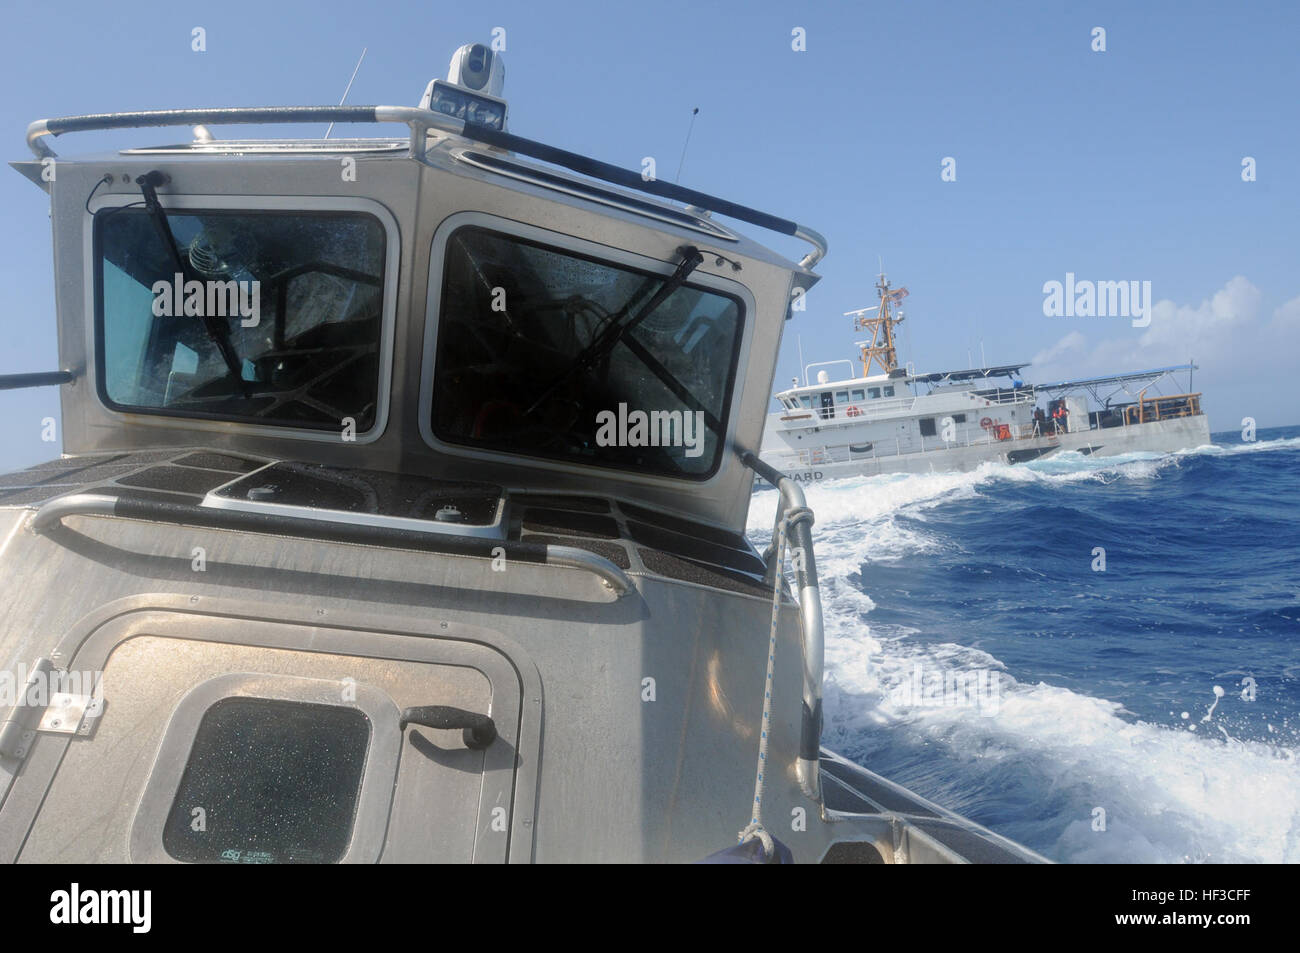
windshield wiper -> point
(218, 332)
(617, 328)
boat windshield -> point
(517, 319)
(267, 317)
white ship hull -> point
(1158, 436)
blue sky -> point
(1115, 165)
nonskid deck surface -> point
(637, 539)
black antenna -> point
(349, 89)
(694, 113)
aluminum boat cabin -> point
(401, 514)
(892, 419)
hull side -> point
(1158, 436)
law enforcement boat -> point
(892, 419)
(337, 565)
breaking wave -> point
(1146, 711)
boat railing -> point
(859, 412)
(868, 410)
(421, 122)
(792, 510)
(54, 512)
(1162, 408)
(809, 368)
(1008, 396)
(858, 452)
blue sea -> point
(1095, 657)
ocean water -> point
(978, 652)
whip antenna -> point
(349, 89)
(694, 112)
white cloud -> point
(1240, 353)
(1072, 344)
(1222, 332)
(1286, 319)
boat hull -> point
(1158, 436)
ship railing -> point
(852, 453)
(1150, 409)
(1008, 395)
(792, 510)
(868, 410)
(881, 408)
(421, 123)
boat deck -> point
(636, 539)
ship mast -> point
(880, 321)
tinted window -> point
(889, 390)
(276, 781)
(927, 427)
(276, 317)
(539, 354)
(874, 392)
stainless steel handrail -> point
(420, 121)
(808, 764)
(100, 504)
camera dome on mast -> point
(473, 87)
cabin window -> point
(530, 360)
(278, 782)
(959, 418)
(807, 401)
(276, 317)
(927, 427)
(889, 390)
(873, 392)
(859, 395)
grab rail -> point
(420, 122)
(40, 379)
(1165, 407)
(808, 765)
(97, 504)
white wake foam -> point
(1168, 794)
